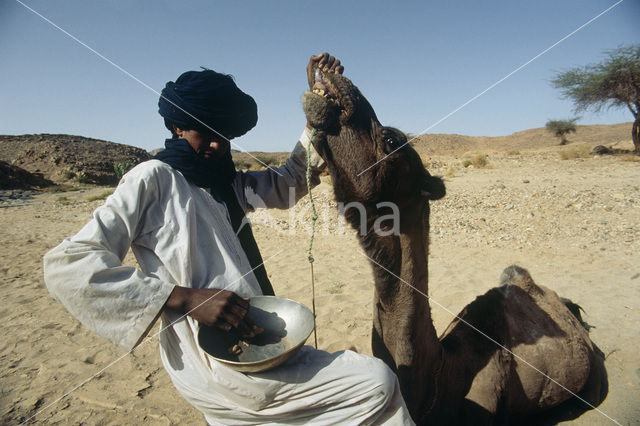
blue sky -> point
(415, 61)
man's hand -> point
(326, 63)
(215, 308)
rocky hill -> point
(32, 161)
(68, 159)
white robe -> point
(182, 236)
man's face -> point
(208, 145)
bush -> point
(561, 128)
(580, 151)
(266, 159)
(336, 287)
(63, 200)
(630, 157)
(82, 178)
(121, 168)
(100, 196)
(242, 165)
(479, 161)
(450, 172)
(62, 188)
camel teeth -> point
(324, 94)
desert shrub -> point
(242, 165)
(100, 196)
(336, 287)
(580, 151)
(69, 174)
(82, 178)
(479, 161)
(513, 152)
(62, 188)
(267, 159)
(450, 172)
(121, 168)
(63, 200)
(630, 157)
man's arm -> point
(85, 272)
(270, 188)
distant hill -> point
(532, 139)
(69, 159)
(249, 160)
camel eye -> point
(390, 144)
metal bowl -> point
(287, 324)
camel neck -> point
(404, 335)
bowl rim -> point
(262, 361)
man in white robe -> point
(185, 244)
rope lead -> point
(314, 218)
(314, 213)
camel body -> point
(513, 353)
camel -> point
(481, 370)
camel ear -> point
(433, 188)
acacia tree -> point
(614, 82)
(561, 128)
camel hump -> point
(519, 277)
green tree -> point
(561, 128)
(614, 82)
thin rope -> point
(314, 218)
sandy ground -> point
(574, 224)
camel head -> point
(351, 140)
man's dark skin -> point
(222, 308)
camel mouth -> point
(324, 88)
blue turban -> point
(212, 98)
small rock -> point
(601, 150)
(525, 181)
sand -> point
(574, 224)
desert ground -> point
(573, 223)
